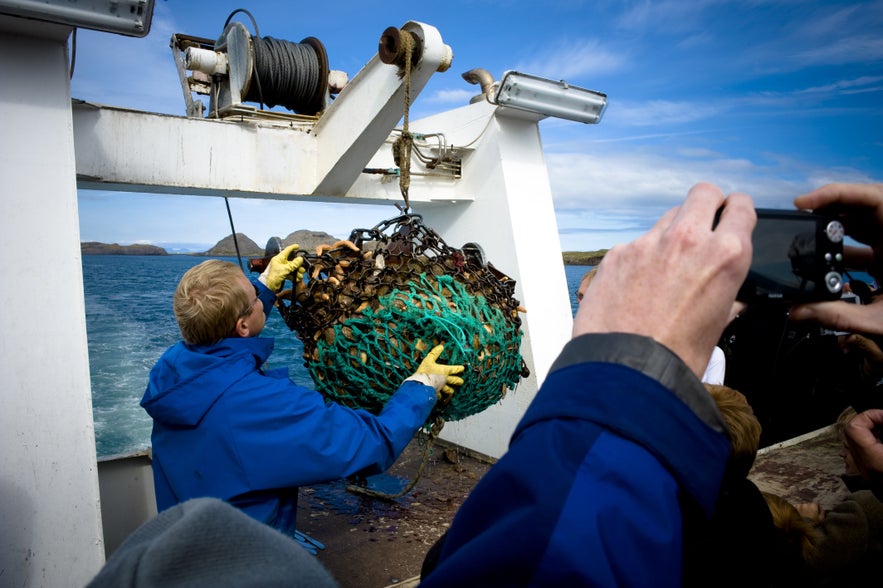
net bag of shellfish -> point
(370, 308)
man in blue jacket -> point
(621, 454)
(225, 428)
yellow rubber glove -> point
(438, 375)
(280, 267)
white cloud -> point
(607, 196)
(843, 51)
(663, 112)
(670, 15)
(458, 97)
(825, 34)
(579, 59)
(864, 83)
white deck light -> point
(124, 17)
(549, 98)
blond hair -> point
(586, 279)
(796, 532)
(208, 301)
(742, 425)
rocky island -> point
(583, 257)
(307, 239)
(95, 248)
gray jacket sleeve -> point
(649, 357)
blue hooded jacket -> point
(618, 458)
(224, 428)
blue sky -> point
(772, 98)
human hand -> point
(811, 510)
(738, 308)
(843, 316)
(860, 208)
(280, 267)
(438, 375)
(862, 435)
(868, 349)
(676, 283)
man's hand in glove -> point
(280, 267)
(438, 375)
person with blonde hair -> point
(225, 427)
(736, 547)
(584, 283)
(842, 546)
(742, 425)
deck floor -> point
(375, 543)
(805, 469)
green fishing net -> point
(370, 308)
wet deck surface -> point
(806, 471)
(374, 543)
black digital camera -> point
(797, 257)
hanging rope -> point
(401, 149)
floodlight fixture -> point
(549, 98)
(124, 17)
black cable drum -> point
(293, 75)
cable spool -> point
(293, 75)
(273, 71)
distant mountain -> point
(95, 248)
(583, 257)
(309, 240)
(227, 248)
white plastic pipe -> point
(205, 61)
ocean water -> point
(130, 323)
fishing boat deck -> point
(803, 469)
(375, 543)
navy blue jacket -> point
(223, 428)
(620, 446)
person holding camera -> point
(859, 207)
(622, 452)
